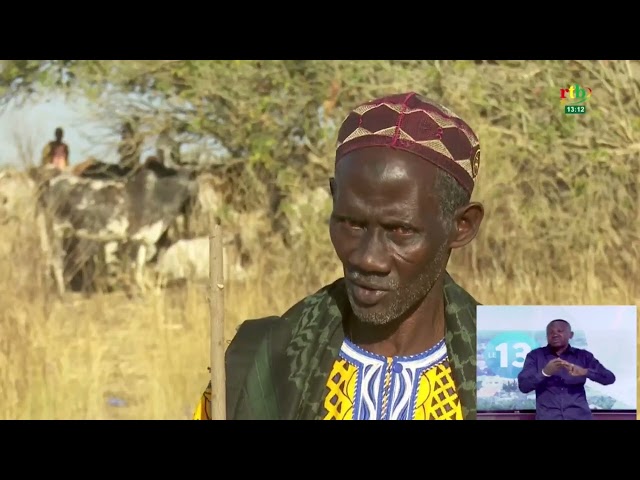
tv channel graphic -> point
(510, 336)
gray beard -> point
(404, 298)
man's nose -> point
(372, 255)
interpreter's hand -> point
(554, 366)
(576, 371)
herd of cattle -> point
(101, 221)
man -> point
(396, 337)
(130, 146)
(56, 152)
(558, 373)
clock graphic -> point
(575, 109)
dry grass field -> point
(111, 356)
(562, 227)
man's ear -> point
(466, 224)
(332, 187)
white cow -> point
(188, 260)
(96, 213)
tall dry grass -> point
(111, 356)
(562, 227)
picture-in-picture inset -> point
(557, 362)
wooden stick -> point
(216, 313)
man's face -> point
(386, 231)
(558, 334)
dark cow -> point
(97, 170)
(132, 207)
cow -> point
(95, 169)
(188, 260)
(244, 235)
(132, 208)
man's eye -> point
(351, 223)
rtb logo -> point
(574, 98)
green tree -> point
(273, 124)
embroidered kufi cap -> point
(415, 124)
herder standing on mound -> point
(396, 337)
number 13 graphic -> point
(519, 349)
(506, 352)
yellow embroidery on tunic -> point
(420, 387)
